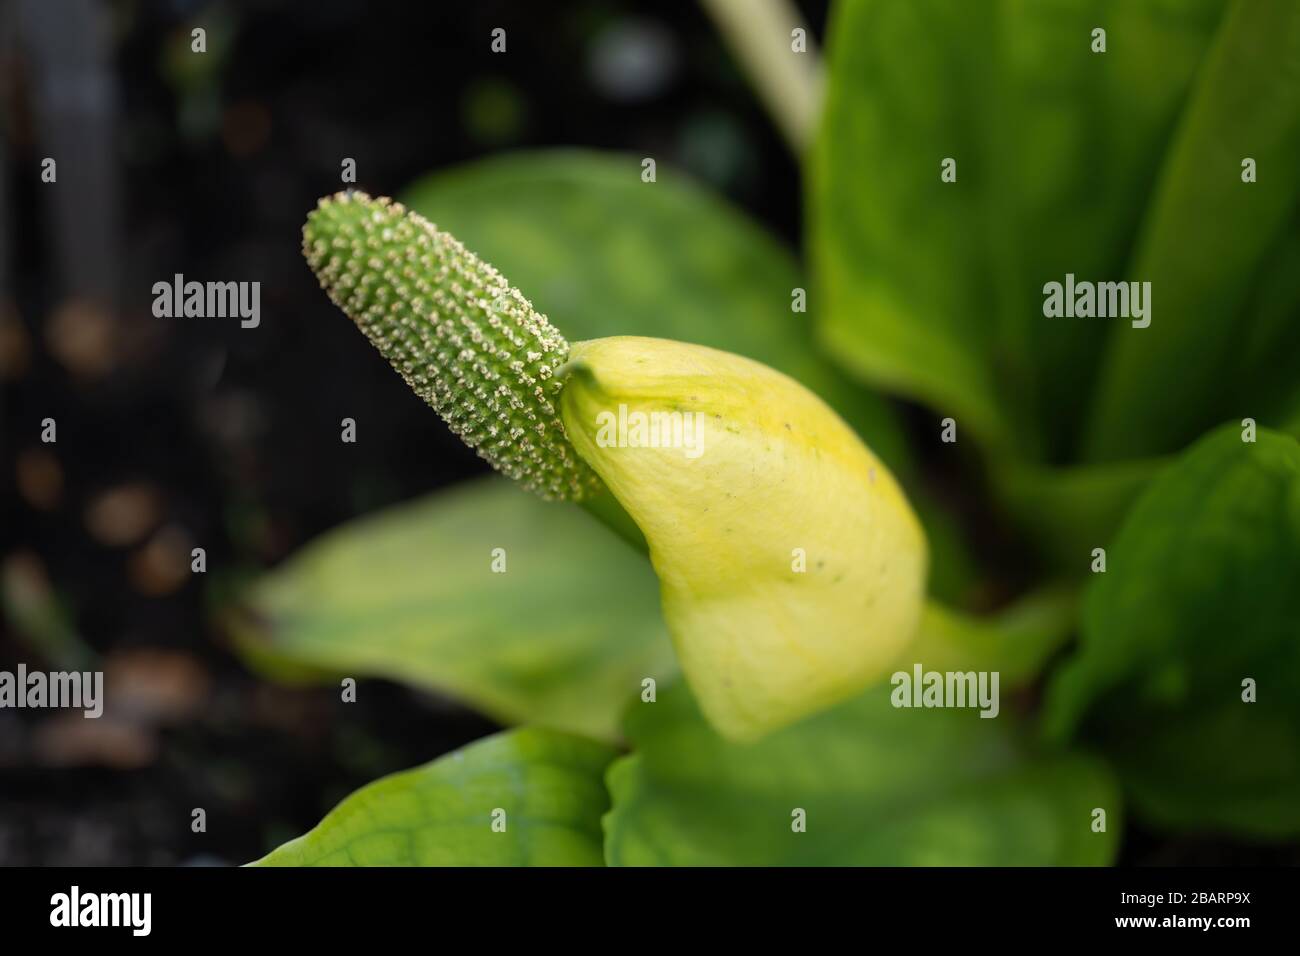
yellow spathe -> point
(753, 478)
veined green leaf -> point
(563, 637)
(527, 797)
(877, 785)
(934, 289)
(1201, 594)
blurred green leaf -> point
(37, 618)
(1201, 591)
(563, 638)
(1292, 425)
(878, 785)
(934, 289)
(1067, 511)
(603, 253)
(548, 784)
(1264, 378)
(1205, 240)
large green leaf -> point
(563, 638)
(1209, 241)
(603, 253)
(1201, 591)
(878, 786)
(934, 289)
(1067, 511)
(542, 789)
(1265, 379)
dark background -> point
(177, 433)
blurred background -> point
(197, 433)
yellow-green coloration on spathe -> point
(462, 338)
(762, 644)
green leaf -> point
(1205, 240)
(563, 638)
(1067, 511)
(548, 784)
(934, 289)
(1265, 379)
(1292, 425)
(603, 253)
(879, 786)
(1201, 591)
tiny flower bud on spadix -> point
(791, 566)
(465, 341)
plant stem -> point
(1017, 642)
(789, 83)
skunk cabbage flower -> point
(792, 567)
